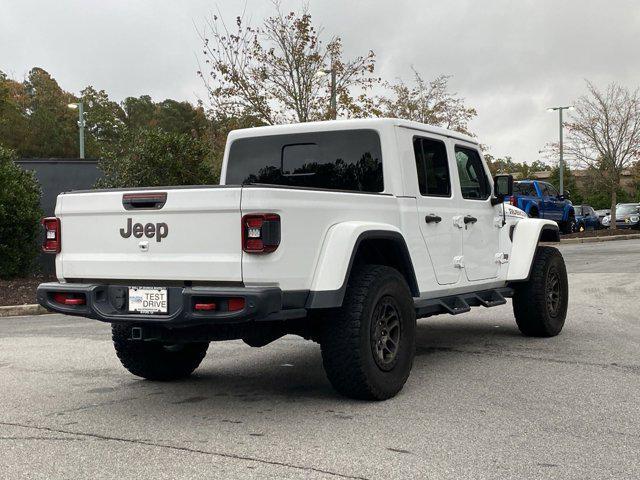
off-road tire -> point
(353, 340)
(540, 304)
(155, 360)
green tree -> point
(139, 112)
(182, 117)
(19, 217)
(569, 183)
(170, 115)
(13, 120)
(104, 121)
(595, 192)
(52, 126)
(153, 157)
(521, 170)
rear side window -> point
(340, 160)
(524, 189)
(432, 167)
(473, 179)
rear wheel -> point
(369, 345)
(540, 304)
(156, 360)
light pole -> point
(80, 108)
(561, 165)
(333, 107)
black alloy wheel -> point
(385, 333)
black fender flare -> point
(334, 298)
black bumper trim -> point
(108, 303)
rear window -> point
(341, 160)
(524, 189)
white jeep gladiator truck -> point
(342, 232)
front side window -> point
(432, 167)
(544, 189)
(336, 160)
(473, 179)
(552, 191)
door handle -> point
(432, 218)
(469, 219)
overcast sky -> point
(510, 59)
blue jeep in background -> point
(542, 200)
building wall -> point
(57, 175)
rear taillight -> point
(260, 232)
(52, 239)
(513, 201)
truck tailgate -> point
(194, 235)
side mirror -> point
(502, 187)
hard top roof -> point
(358, 123)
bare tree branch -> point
(427, 102)
(271, 71)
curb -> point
(632, 236)
(21, 310)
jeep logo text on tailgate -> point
(159, 230)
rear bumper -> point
(109, 303)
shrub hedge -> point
(20, 215)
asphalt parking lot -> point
(482, 401)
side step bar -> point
(456, 304)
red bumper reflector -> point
(68, 299)
(204, 306)
(236, 304)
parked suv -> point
(542, 200)
(342, 232)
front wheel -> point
(155, 360)
(569, 226)
(369, 345)
(540, 304)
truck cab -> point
(343, 232)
